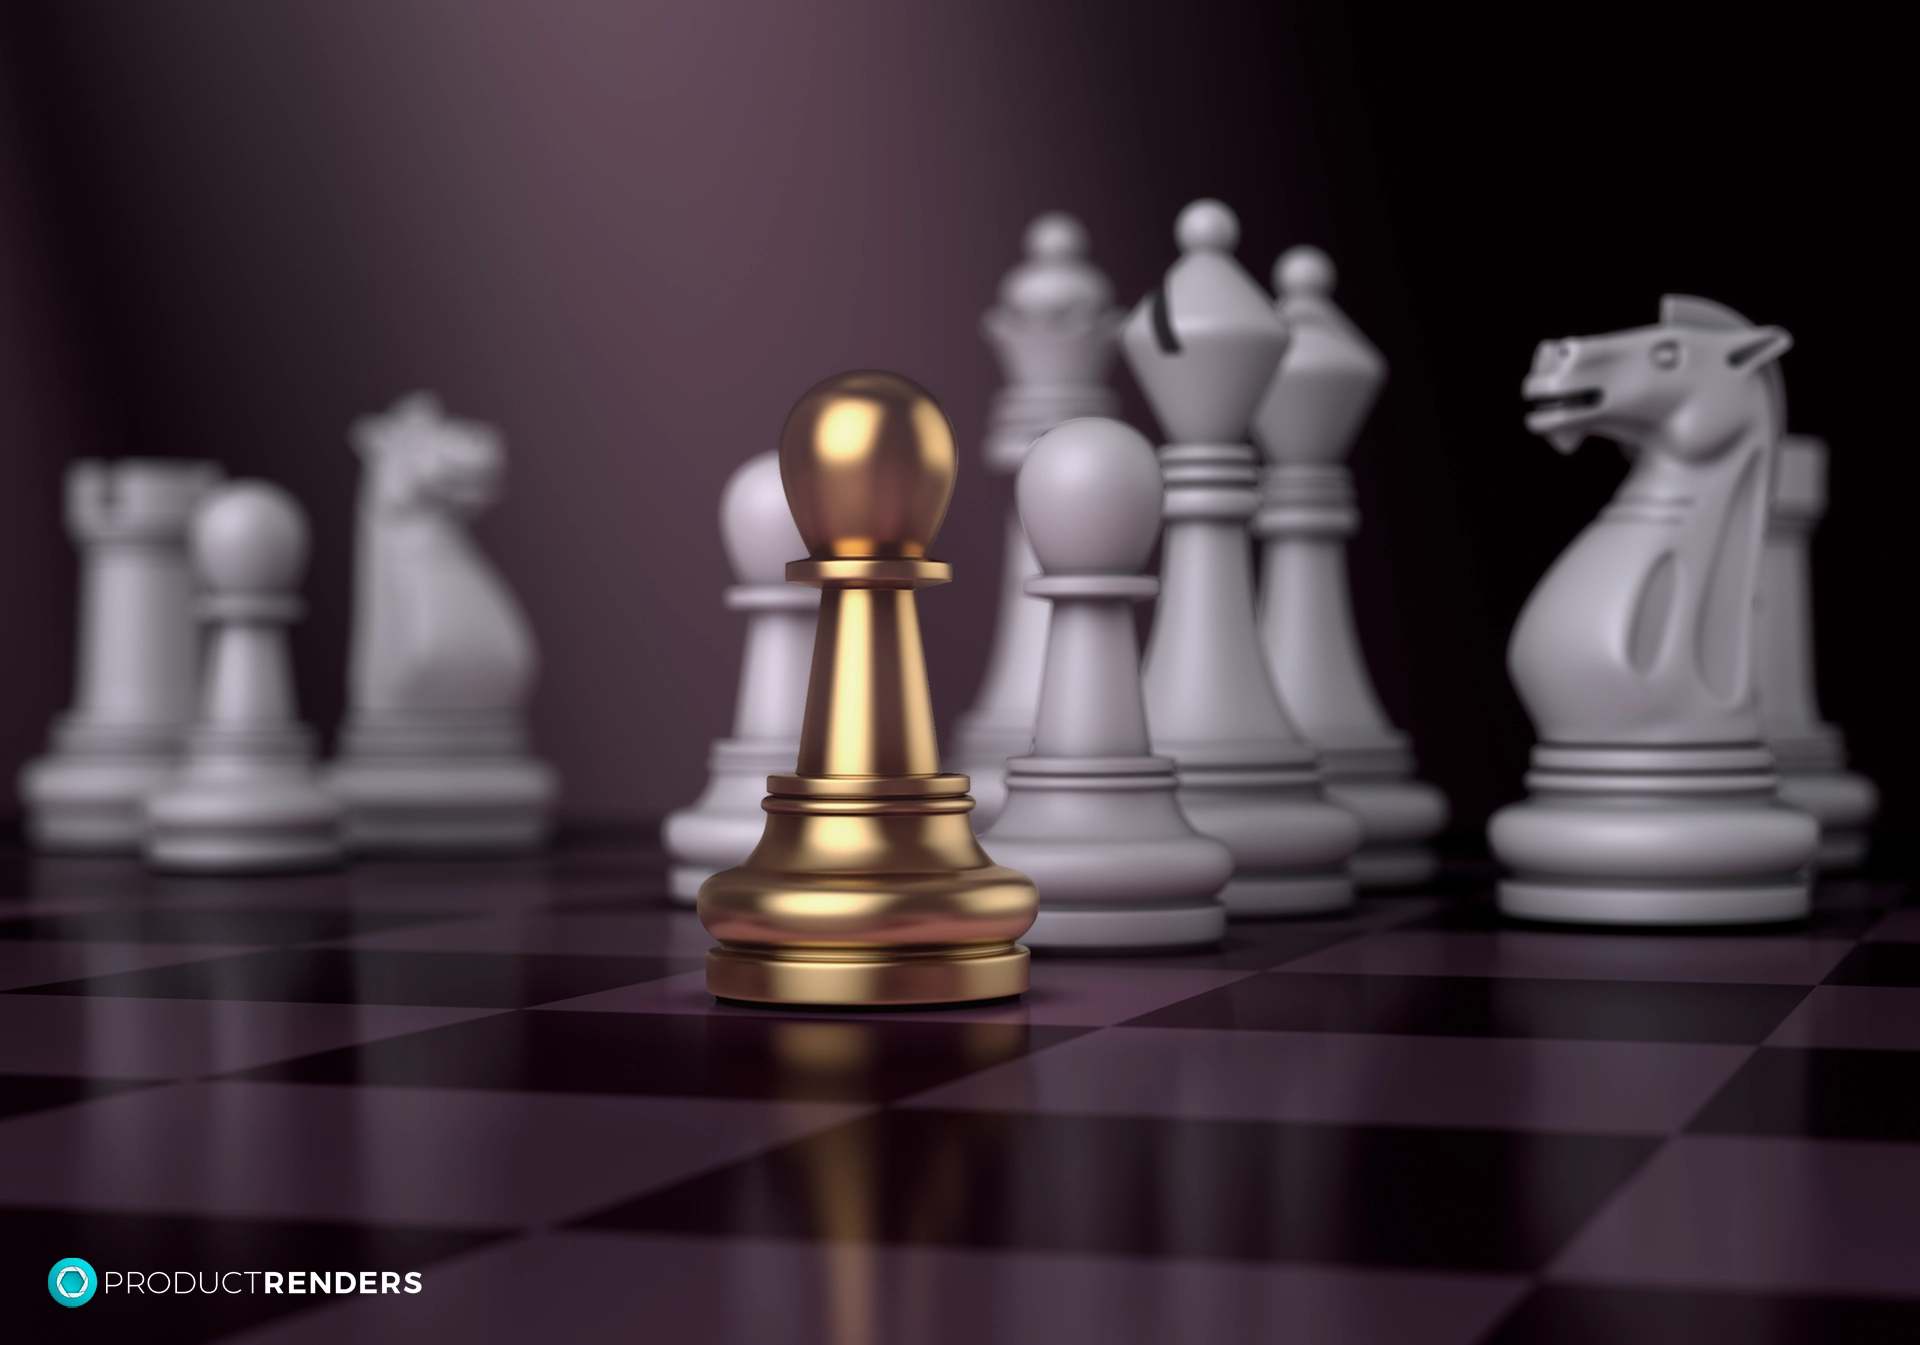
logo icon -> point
(72, 1282)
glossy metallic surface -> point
(868, 887)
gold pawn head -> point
(868, 886)
(869, 464)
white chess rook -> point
(721, 828)
(1652, 799)
(245, 799)
(135, 678)
(1204, 347)
(1810, 753)
(433, 759)
(1091, 815)
(1054, 330)
(1327, 382)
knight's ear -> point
(1765, 345)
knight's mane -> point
(1687, 310)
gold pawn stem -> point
(868, 887)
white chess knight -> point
(1204, 347)
(1810, 752)
(721, 827)
(245, 798)
(136, 664)
(1054, 331)
(1091, 815)
(1652, 797)
(1326, 384)
(433, 757)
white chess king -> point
(721, 828)
(136, 668)
(1652, 799)
(433, 758)
(1325, 386)
(1054, 331)
(1204, 346)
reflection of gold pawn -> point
(868, 886)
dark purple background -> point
(632, 234)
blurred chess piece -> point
(1091, 816)
(1810, 753)
(246, 798)
(724, 824)
(868, 886)
(1327, 382)
(433, 757)
(1054, 330)
(136, 666)
(1204, 346)
(1652, 799)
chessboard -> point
(1414, 1124)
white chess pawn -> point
(1652, 799)
(433, 758)
(1054, 330)
(725, 823)
(1204, 346)
(1327, 383)
(245, 799)
(1091, 815)
(1810, 753)
(135, 667)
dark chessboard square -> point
(1140, 1186)
(1566, 1314)
(1841, 917)
(32, 1239)
(195, 924)
(1473, 1006)
(856, 1059)
(1879, 963)
(1249, 946)
(1870, 1095)
(23, 1093)
(378, 976)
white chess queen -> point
(1054, 330)
(1652, 796)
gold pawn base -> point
(895, 980)
(867, 895)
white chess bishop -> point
(136, 664)
(1091, 815)
(1810, 753)
(1652, 799)
(1054, 331)
(721, 827)
(433, 757)
(1327, 382)
(1204, 347)
(245, 798)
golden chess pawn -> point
(868, 886)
